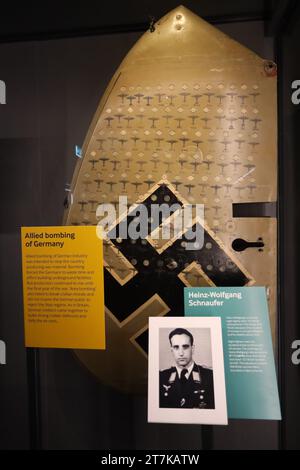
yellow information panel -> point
(63, 287)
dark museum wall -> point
(52, 92)
(55, 19)
(53, 89)
(288, 53)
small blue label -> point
(78, 151)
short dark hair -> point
(181, 331)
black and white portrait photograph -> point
(186, 375)
(186, 371)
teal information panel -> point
(251, 383)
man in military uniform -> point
(187, 385)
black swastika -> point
(160, 273)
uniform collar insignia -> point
(172, 377)
(196, 376)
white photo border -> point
(218, 415)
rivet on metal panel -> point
(270, 68)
